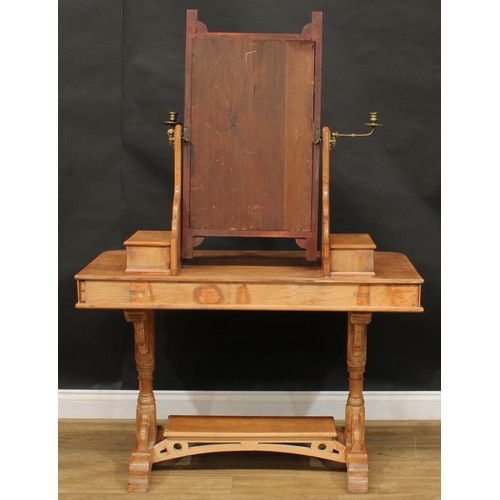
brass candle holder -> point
(171, 122)
(373, 123)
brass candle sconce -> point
(171, 122)
(373, 123)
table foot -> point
(141, 459)
(139, 472)
(357, 472)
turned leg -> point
(141, 459)
(357, 457)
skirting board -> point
(383, 405)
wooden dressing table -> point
(285, 285)
(165, 270)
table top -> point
(250, 280)
(250, 266)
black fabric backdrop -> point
(122, 70)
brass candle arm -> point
(373, 123)
(171, 122)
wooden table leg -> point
(141, 459)
(357, 457)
